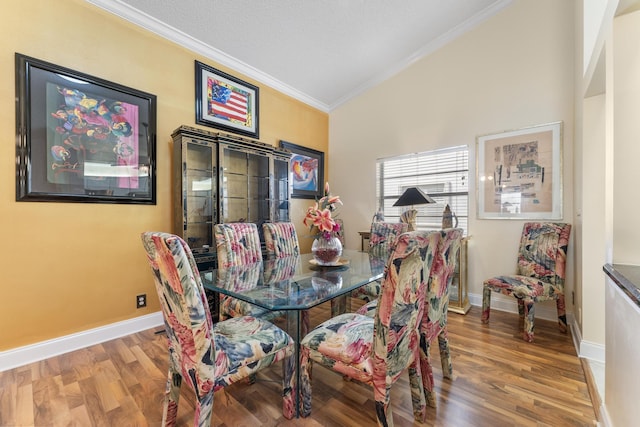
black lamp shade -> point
(413, 196)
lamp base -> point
(409, 217)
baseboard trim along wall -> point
(43, 350)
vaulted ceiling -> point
(322, 52)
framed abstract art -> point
(80, 138)
(520, 173)
(306, 170)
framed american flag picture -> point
(226, 102)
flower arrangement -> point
(319, 216)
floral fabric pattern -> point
(377, 350)
(434, 323)
(206, 356)
(384, 235)
(539, 276)
(280, 239)
(237, 243)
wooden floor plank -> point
(499, 380)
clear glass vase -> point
(326, 251)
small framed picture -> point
(80, 138)
(520, 173)
(306, 170)
(226, 102)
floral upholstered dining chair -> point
(540, 274)
(280, 239)
(237, 244)
(376, 351)
(434, 323)
(207, 357)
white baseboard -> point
(43, 350)
(544, 310)
(547, 310)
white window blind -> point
(442, 174)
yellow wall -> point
(68, 267)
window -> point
(442, 174)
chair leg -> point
(418, 399)
(529, 318)
(521, 311)
(382, 396)
(171, 398)
(305, 382)
(427, 372)
(289, 387)
(445, 354)
(486, 304)
(562, 316)
(204, 407)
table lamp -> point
(412, 196)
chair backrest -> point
(402, 301)
(184, 308)
(384, 235)
(280, 239)
(378, 217)
(237, 243)
(442, 273)
(543, 251)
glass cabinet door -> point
(234, 182)
(281, 190)
(258, 189)
(245, 186)
(199, 192)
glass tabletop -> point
(295, 283)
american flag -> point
(226, 103)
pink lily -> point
(323, 221)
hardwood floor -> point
(499, 380)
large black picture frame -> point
(80, 138)
(306, 170)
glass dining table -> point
(291, 286)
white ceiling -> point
(322, 52)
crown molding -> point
(428, 49)
(155, 26)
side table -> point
(364, 235)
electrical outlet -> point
(141, 301)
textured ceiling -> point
(322, 52)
